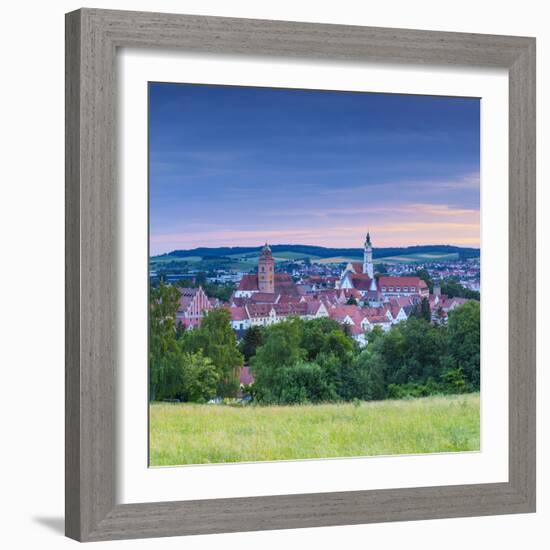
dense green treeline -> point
(314, 361)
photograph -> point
(289, 264)
(314, 274)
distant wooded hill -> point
(298, 251)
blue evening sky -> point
(233, 166)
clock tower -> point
(266, 271)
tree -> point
(464, 340)
(377, 378)
(279, 352)
(452, 288)
(222, 292)
(304, 383)
(370, 376)
(314, 334)
(281, 347)
(425, 276)
(423, 348)
(376, 332)
(422, 310)
(199, 377)
(456, 380)
(425, 310)
(253, 338)
(200, 279)
(186, 283)
(163, 305)
(339, 345)
(412, 350)
(351, 301)
(216, 339)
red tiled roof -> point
(357, 267)
(395, 311)
(329, 294)
(187, 295)
(290, 298)
(264, 297)
(283, 283)
(340, 312)
(245, 376)
(361, 281)
(249, 282)
(290, 308)
(402, 281)
(238, 313)
(337, 296)
(447, 303)
(313, 306)
(402, 301)
(259, 310)
(187, 291)
(347, 293)
(356, 330)
(374, 311)
(378, 319)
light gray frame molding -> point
(92, 38)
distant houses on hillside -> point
(356, 299)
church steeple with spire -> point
(367, 258)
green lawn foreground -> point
(201, 434)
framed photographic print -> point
(300, 275)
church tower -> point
(266, 271)
(367, 258)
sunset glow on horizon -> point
(233, 166)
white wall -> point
(31, 216)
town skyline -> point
(236, 166)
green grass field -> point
(421, 257)
(200, 434)
(338, 260)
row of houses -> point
(265, 309)
(359, 319)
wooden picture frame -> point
(92, 39)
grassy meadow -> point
(201, 434)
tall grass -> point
(200, 434)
